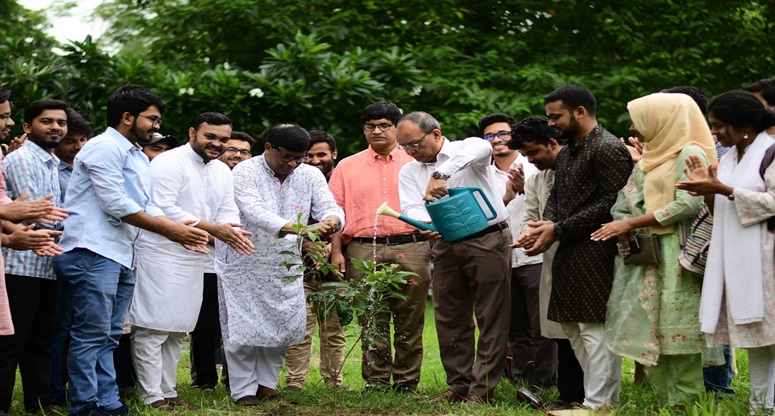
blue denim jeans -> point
(101, 292)
(719, 377)
(59, 342)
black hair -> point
(740, 109)
(76, 123)
(290, 137)
(533, 129)
(496, 118)
(5, 95)
(761, 85)
(695, 93)
(425, 121)
(769, 96)
(213, 119)
(132, 99)
(241, 135)
(381, 109)
(322, 136)
(35, 108)
(572, 97)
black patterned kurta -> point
(589, 174)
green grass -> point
(317, 399)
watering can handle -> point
(486, 201)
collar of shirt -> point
(193, 155)
(64, 166)
(44, 156)
(376, 156)
(265, 166)
(123, 143)
(443, 155)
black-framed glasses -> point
(503, 134)
(381, 126)
(287, 157)
(233, 150)
(155, 121)
(415, 145)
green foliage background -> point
(319, 62)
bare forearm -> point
(142, 220)
(643, 221)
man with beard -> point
(108, 198)
(30, 280)
(206, 337)
(78, 131)
(237, 149)
(532, 356)
(332, 337)
(186, 186)
(261, 313)
(590, 171)
(536, 141)
(360, 184)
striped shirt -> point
(31, 169)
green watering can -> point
(455, 216)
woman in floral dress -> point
(652, 312)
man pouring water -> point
(472, 275)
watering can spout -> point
(384, 209)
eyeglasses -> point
(381, 126)
(415, 145)
(156, 121)
(233, 150)
(503, 134)
(287, 157)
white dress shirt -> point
(467, 163)
(516, 209)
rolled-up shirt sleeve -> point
(105, 170)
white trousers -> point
(156, 355)
(602, 368)
(761, 370)
(251, 367)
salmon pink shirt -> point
(360, 184)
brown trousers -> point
(332, 345)
(473, 277)
(408, 315)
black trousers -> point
(534, 358)
(33, 304)
(126, 377)
(206, 339)
(570, 376)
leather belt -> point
(491, 229)
(392, 241)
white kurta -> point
(168, 292)
(256, 307)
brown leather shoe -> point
(448, 396)
(162, 405)
(248, 401)
(179, 403)
(474, 400)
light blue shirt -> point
(65, 171)
(34, 170)
(111, 179)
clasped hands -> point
(538, 239)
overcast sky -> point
(73, 27)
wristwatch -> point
(558, 231)
(731, 196)
(439, 175)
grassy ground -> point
(317, 399)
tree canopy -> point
(318, 63)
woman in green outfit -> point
(652, 312)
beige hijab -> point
(668, 123)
